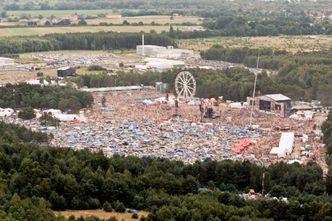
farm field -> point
(288, 43)
(28, 31)
(60, 13)
(101, 214)
(147, 20)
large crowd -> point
(124, 124)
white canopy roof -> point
(278, 97)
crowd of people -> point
(121, 123)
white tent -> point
(6, 112)
(295, 161)
(285, 145)
(278, 152)
(66, 117)
(53, 111)
(287, 141)
(238, 105)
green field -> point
(60, 13)
(29, 31)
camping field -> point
(29, 31)
(288, 43)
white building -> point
(159, 64)
(163, 52)
(149, 50)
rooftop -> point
(64, 68)
(278, 97)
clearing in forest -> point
(101, 214)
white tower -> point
(143, 52)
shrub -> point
(107, 207)
(96, 68)
(27, 113)
(119, 207)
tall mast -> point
(254, 93)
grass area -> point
(28, 31)
(101, 214)
(148, 19)
(60, 13)
(289, 43)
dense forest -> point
(327, 130)
(36, 96)
(246, 26)
(80, 41)
(35, 179)
(9, 133)
(240, 24)
(304, 75)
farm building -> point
(276, 103)
(66, 71)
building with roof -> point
(159, 64)
(277, 103)
(163, 52)
(66, 71)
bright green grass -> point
(59, 13)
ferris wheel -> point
(185, 85)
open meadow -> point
(101, 214)
(29, 31)
(158, 19)
(288, 43)
(59, 13)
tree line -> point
(35, 180)
(327, 130)
(44, 97)
(327, 139)
(282, 25)
(302, 76)
(80, 41)
(10, 133)
(207, 7)
(234, 84)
